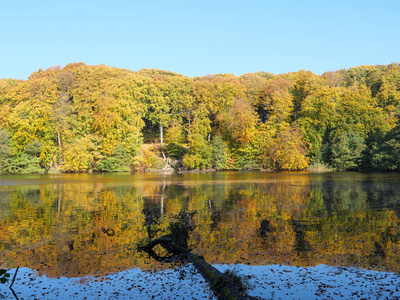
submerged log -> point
(223, 285)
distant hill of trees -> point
(84, 118)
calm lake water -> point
(54, 223)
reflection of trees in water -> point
(215, 219)
(301, 245)
(377, 254)
(346, 220)
(328, 195)
(266, 233)
(370, 191)
(216, 201)
(67, 240)
(265, 228)
(152, 214)
(342, 195)
(382, 193)
(379, 251)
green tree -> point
(120, 161)
(26, 162)
(318, 119)
(347, 151)
(175, 139)
(4, 147)
(386, 156)
(4, 142)
(219, 153)
(199, 155)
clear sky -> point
(197, 38)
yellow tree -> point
(29, 118)
(63, 109)
(108, 103)
(319, 118)
(175, 139)
(254, 85)
(287, 151)
(169, 98)
(80, 156)
(305, 83)
(388, 96)
(217, 93)
(240, 124)
(278, 102)
(131, 97)
(358, 111)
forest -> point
(83, 118)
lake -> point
(57, 224)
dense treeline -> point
(97, 118)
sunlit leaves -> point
(216, 94)
(4, 143)
(305, 83)
(278, 101)
(59, 106)
(254, 85)
(80, 155)
(169, 98)
(318, 117)
(199, 155)
(240, 122)
(175, 139)
(287, 151)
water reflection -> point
(54, 224)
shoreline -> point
(267, 282)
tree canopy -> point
(84, 118)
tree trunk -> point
(162, 135)
(222, 287)
(59, 146)
(162, 141)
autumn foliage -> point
(258, 219)
(84, 118)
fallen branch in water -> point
(15, 275)
(224, 285)
(221, 284)
(12, 282)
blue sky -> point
(197, 38)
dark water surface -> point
(54, 223)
